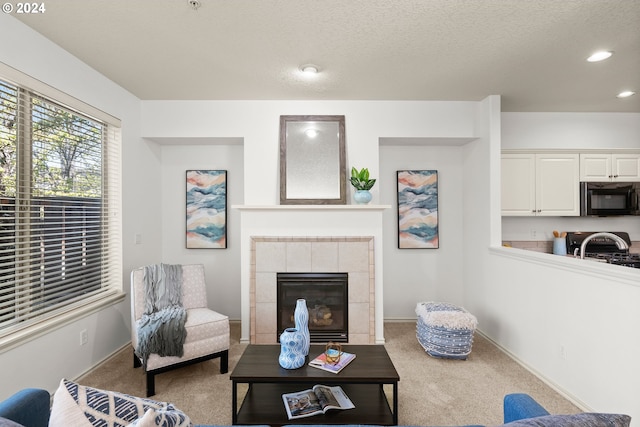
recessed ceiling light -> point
(309, 69)
(625, 94)
(600, 56)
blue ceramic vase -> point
(301, 319)
(362, 197)
(291, 349)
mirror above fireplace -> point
(312, 160)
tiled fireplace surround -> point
(352, 255)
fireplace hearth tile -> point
(353, 256)
(265, 291)
(298, 256)
(359, 288)
(266, 318)
(358, 318)
(324, 256)
(265, 338)
(359, 339)
(269, 256)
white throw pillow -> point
(162, 418)
(81, 406)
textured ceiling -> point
(532, 52)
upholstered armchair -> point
(207, 331)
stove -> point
(603, 249)
(629, 260)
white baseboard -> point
(564, 393)
(104, 360)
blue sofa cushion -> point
(28, 407)
(518, 406)
(585, 419)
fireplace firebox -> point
(327, 300)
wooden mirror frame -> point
(339, 164)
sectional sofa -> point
(31, 408)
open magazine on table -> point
(314, 401)
(343, 360)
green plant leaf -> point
(370, 184)
(360, 179)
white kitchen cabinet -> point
(539, 184)
(518, 191)
(597, 167)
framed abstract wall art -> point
(206, 209)
(417, 209)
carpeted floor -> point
(432, 391)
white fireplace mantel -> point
(323, 221)
(311, 207)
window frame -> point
(21, 332)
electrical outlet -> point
(534, 233)
(137, 238)
(563, 353)
(84, 337)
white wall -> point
(575, 327)
(222, 270)
(574, 131)
(257, 123)
(414, 275)
(570, 130)
(43, 361)
(572, 323)
(481, 164)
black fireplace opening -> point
(327, 300)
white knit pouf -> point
(445, 330)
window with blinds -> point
(59, 208)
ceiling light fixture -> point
(194, 4)
(309, 69)
(600, 56)
(626, 94)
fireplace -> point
(352, 255)
(326, 295)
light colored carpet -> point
(432, 391)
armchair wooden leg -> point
(151, 384)
(136, 360)
(224, 362)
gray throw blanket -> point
(161, 328)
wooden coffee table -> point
(362, 380)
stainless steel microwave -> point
(609, 198)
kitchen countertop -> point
(545, 246)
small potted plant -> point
(362, 183)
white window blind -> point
(59, 208)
